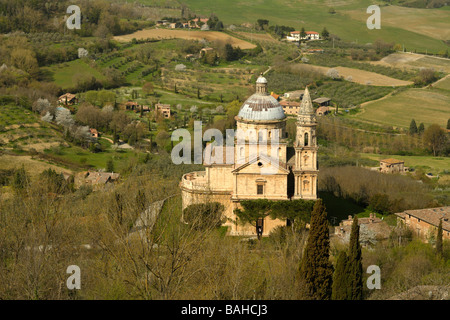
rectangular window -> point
(259, 189)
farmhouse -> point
(392, 166)
(293, 170)
(371, 229)
(312, 35)
(96, 179)
(294, 36)
(68, 99)
(94, 133)
(143, 108)
(424, 222)
(322, 101)
(206, 51)
(322, 111)
(197, 22)
(164, 109)
(295, 95)
(131, 105)
(290, 107)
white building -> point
(310, 35)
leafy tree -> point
(325, 33)
(262, 22)
(380, 203)
(340, 278)
(203, 216)
(316, 270)
(295, 210)
(435, 137)
(448, 124)
(53, 181)
(110, 165)
(355, 264)
(21, 179)
(439, 250)
(218, 26)
(413, 127)
(148, 88)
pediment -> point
(262, 165)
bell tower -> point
(306, 165)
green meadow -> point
(314, 15)
(63, 74)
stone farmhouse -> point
(68, 99)
(424, 222)
(293, 170)
(392, 166)
(371, 229)
(290, 107)
(164, 109)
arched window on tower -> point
(306, 139)
(279, 153)
(241, 152)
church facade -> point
(263, 166)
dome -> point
(261, 106)
(261, 79)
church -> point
(279, 172)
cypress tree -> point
(412, 127)
(421, 128)
(340, 278)
(439, 240)
(355, 284)
(302, 33)
(316, 270)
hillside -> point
(349, 21)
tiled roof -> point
(430, 215)
(289, 103)
(392, 161)
(321, 100)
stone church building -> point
(277, 173)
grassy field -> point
(414, 61)
(365, 77)
(64, 74)
(423, 105)
(349, 21)
(185, 34)
(33, 166)
(444, 83)
(432, 23)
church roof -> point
(261, 105)
(261, 79)
(306, 106)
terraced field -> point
(423, 105)
(185, 34)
